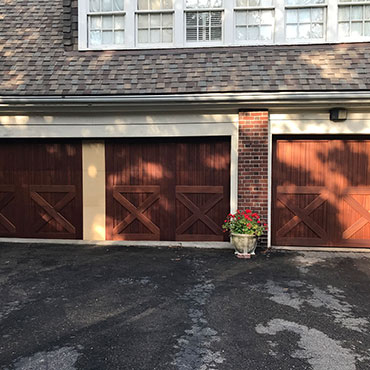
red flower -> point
(264, 224)
(258, 222)
(225, 220)
(248, 211)
(249, 225)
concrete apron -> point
(123, 243)
(169, 244)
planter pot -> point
(244, 244)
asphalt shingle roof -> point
(34, 60)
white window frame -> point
(200, 10)
(309, 40)
(248, 8)
(350, 4)
(228, 26)
(151, 44)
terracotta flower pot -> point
(243, 243)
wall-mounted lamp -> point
(338, 114)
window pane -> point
(167, 20)
(254, 2)
(95, 22)
(343, 13)
(367, 29)
(191, 3)
(107, 22)
(167, 35)
(253, 33)
(143, 21)
(155, 36)
(241, 18)
(117, 5)
(143, 4)
(317, 15)
(367, 12)
(304, 2)
(267, 17)
(317, 31)
(203, 34)
(94, 5)
(343, 29)
(266, 2)
(215, 3)
(203, 18)
(241, 33)
(216, 18)
(216, 33)
(191, 34)
(119, 37)
(254, 17)
(191, 19)
(356, 12)
(356, 29)
(107, 37)
(304, 31)
(119, 22)
(155, 4)
(291, 15)
(95, 38)
(291, 31)
(203, 4)
(304, 15)
(167, 4)
(143, 36)
(241, 3)
(266, 32)
(155, 20)
(107, 5)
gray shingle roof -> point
(35, 38)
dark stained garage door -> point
(40, 189)
(321, 191)
(167, 189)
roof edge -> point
(250, 99)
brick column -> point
(253, 163)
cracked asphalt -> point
(86, 307)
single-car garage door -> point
(321, 191)
(40, 189)
(167, 189)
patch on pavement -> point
(296, 294)
(63, 358)
(195, 346)
(320, 351)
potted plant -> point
(245, 227)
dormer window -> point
(155, 24)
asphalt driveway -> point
(69, 307)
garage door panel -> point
(186, 173)
(47, 181)
(321, 192)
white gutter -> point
(279, 98)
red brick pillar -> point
(253, 163)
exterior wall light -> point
(338, 114)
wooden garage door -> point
(40, 189)
(321, 191)
(167, 189)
